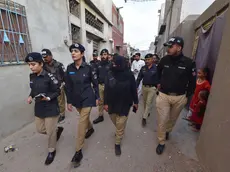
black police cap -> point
(175, 40)
(34, 57)
(77, 46)
(104, 51)
(148, 56)
(46, 52)
(95, 53)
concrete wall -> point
(48, 26)
(213, 146)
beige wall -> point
(213, 146)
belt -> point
(172, 94)
(149, 85)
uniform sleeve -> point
(134, 89)
(140, 77)
(159, 70)
(54, 90)
(192, 80)
(62, 71)
(31, 90)
(106, 91)
(94, 81)
(68, 87)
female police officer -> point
(45, 90)
(81, 95)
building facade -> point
(33, 25)
(118, 31)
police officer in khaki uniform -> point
(149, 75)
(177, 78)
(44, 90)
(57, 69)
(102, 71)
(82, 93)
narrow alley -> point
(138, 149)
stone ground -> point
(138, 149)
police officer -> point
(156, 59)
(95, 62)
(45, 90)
(177, 76)
(149, 75)
(102, 71)
(58, 70)
(80, 77)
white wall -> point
(190, 7)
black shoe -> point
(89, 133)
(61, 119)
(98, 120)
(117, 150)
(160, 149)
(143, 122)
(59, 132)
(50, 158)
(77, 158)
(167, 136)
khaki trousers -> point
(101, 102)
(83, 125)
(120, 124)
(48, 126)
(148, 96)
(61, 101)
(168, 109)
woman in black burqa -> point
(120, 95)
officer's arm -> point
(192, 80)
(95, 82)
(54, 90)
(68, 87)
(134, 90)
(140, 77)
(106, 91)
(62, 71)
(159, 70)
(31, 91)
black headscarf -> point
(120, 69)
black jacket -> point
(102, 71)
(177, 75)
(120, 92)
(79, 83)
(45, 84)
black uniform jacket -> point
(79, 84)
(46, 84)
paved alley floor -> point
(138, 149)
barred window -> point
(74, 7)
(75, 31)
(15, 42)
(93, 21)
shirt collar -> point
(43, 73)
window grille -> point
(93, 21)
(74, 7)
(15, 42)
(75, 31)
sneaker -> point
(160, 149)
(118, 150)
(98, 120)
(89, 133)
(50, 158)
(61, 119)
(77, 158)
(143, 122)
(59, 132)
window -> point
(75, 31)
(74, 7)
(93, 21)
(15, 41)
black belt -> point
(148, 85)
(172, 94)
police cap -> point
(104, 51)
(175, 40)
(34, 57)
(46, 52)
(95, 53)
(148, 56)
(78, 46)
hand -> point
(29, 100)
(158, 86)
(70, 107)
(136, 106)
(97, 102)
(45, 99)
(106, 108)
